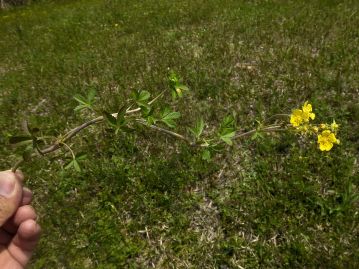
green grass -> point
(147, 201)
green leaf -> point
(198, 128)
(170, 123)
(76, 165)
(227, 138)
(227, 129)
(69, 164)
(257, 135)
(120, 121)
(79, 98)
(206, 155)
(91, 96)
(228, 122)
(173, 78)
(169, 116)
(148, 115)
(177, 88)
(180, 89)
(81, 156)
(143, 96)
(80, 107)
(172, 115)
(85, 102)
(110, 119)
(151, 120)
(146, 110)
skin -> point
(19, 231)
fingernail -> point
(7, 186)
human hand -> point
(19, 232)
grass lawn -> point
(146, 200)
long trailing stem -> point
(155, 127)
(272, 128)
(69, 148)
(63, 139)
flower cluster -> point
(326, 133)
(301, 116)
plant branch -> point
(69, 148)
(156, 98)
(78, 129)
(155, 127)
(62, 140)
(150, 103)
(273, 128)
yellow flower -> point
(334, 126)
(307, 112)
(303, 115)
(179, 91)
(315, 129)
(296, 118)
(326, 140)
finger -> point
(26, 196)
(5, 237)
(10, 195)
(24, 242)
(23, 214)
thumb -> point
(10, 195)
